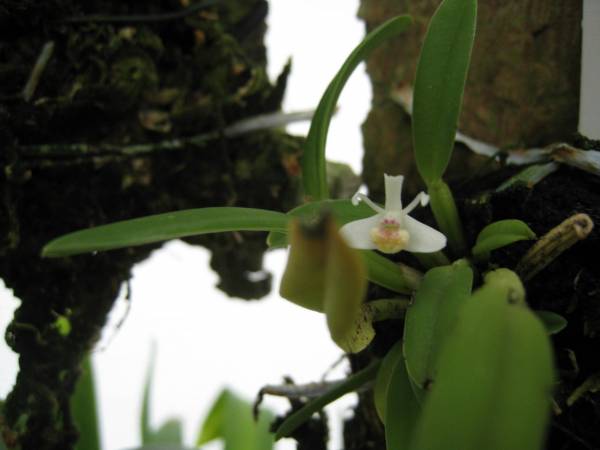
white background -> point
(204, 340)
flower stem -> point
(446, 214)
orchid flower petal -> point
(393, 192)
(421, 198)
(358, 233)
(423, 238)
(358, 197)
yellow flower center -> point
(389, 236)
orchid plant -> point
(474, 367)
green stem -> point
(387, 308)
(446, 214)
(352, 383)
(394, 276)
(431, 260)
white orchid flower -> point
(392, 229)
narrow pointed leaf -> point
(439, 84)
(85, 410)
(432, 317)
(145, 428)
(352, 383)
(162, 227)
(495, 378)
(553, 322)
(313, 162)
(500, 234)
(231, 420)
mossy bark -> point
(115, 79)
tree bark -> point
(121, 74)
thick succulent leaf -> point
(85, 410)
(303, 280)
(495, 377)
(384, 376)
(345, 291)
(439, 84)
(432, 317)
(402, 409)
(500, 234)
(350, 384)
(313, 162)
(230, 419)
(162, 227)
(324, 274)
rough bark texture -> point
(114, 81)
(522, 88)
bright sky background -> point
(204, 340)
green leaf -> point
(500, 234)
(553, 322)
(495, 377)
(432, 317)
(529, 176)
(351, 383)
(384, 376)
(145, 428)
(402, 410)
(342, 210)
(230, 418)
(439, 84)
(446, 215)
(162, 227)
(393, 276)
(313, 161)
(170, 433)
(85, 410)
(324, 274)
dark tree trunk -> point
(113, 80)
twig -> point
(143, 18)
(260, 122)
(38, 69)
